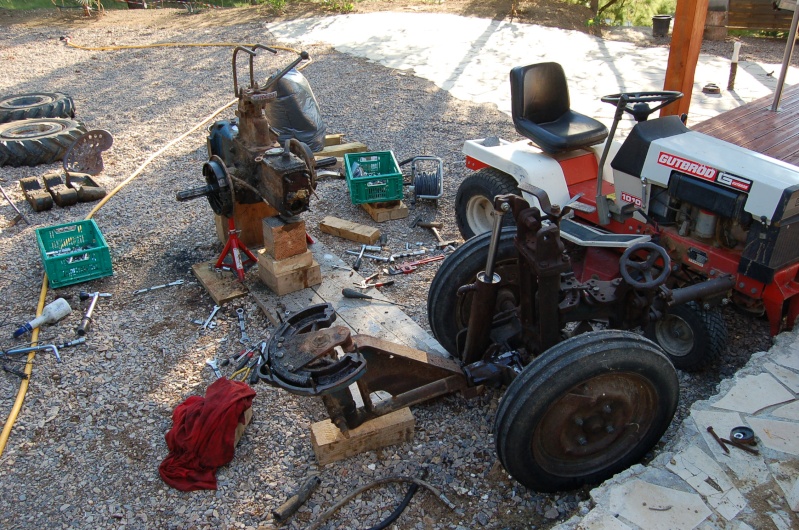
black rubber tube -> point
(398, 510)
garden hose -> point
(23, 388)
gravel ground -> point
(85, 449)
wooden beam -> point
(686, 42)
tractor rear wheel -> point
(584, 410)
(474, 201)
(36, 105)
(447, 312)
(39, 141)
(690, 335)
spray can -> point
(52, 313)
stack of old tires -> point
(37, 128)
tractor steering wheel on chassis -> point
(637, 103)
(652, 253)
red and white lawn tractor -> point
(716, 208)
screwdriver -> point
(352, 293)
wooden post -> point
(686, 42)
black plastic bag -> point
(295, 113)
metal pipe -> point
(601, 203)
(701, 290)
(786, 58)
(494, 245)
(423, 393)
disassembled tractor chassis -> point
(247, 163)
(496, 346)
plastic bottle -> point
(52, 313)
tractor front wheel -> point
(690, 335)
(584, 410)
(474, 201)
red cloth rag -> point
(203, 435)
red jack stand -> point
(236, 247)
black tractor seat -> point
(540, 110)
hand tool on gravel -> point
(385, 259)
(211, 316)
(245, 339)
(86, 321)
(359, 259)
(410, 266)
(214, 366)
(434, 227)
(153, 288)
(352, 293)
(40, 347)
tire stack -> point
(37, 128)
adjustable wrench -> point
(245, 339)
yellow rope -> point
(23, 387)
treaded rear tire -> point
(690, 335)
(585, 409)
(36, 105)
(447, 312)
(38, 141)
(475, 197)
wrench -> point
(153, 288)
(211, 316)
(214, 366)
(245, 339)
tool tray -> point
(73, 253)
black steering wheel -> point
(645, 268)
(637, 103)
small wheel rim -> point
(674, 335)
(33, 130)
(29, 100)
(478, 214)
(595, 424)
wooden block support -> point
(283, 240)
(341, 150)
(349, 230)
(222, 287)
(333, 139)
(292, 280)
(241, 427)
(278, 267)
(330, 445)
(386, 211)
(248, 222)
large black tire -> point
(690, 335)
(40, 141)
(584, 410)
(447, 312)
(36, 105)
(474, 201)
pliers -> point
(367, 282)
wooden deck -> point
(755, 127)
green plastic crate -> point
(379, 178)
(73, 253)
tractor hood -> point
(772, 186)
